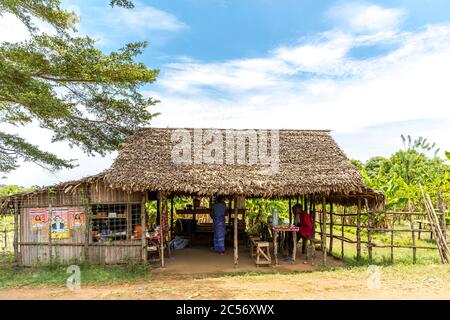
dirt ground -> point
(298, 286)
(206, 275)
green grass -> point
(56, 274)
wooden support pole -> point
(331, 228)
(392, 246)
(413, 233)
(50, 215)
(163, 225)
(235, 227)
(314, 217)
(171, 218)
(358, 232)
(230, 209)
(144, 227)
(87, 223)
(342, 234)
(369, 235)
(443, 214)
(310, 203)
(158, 210)
(290, 212)
(294, 248)
(324, 231)
(17, 259)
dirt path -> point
(395, 283)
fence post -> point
(16, 232)
(331, 229)
(358, 232)
(413, 233)
(392, 246)
(369, 234)
(442, 209)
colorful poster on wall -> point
(77, 218)
(38, 218)
(59, 222)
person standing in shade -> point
(218, 211)
(304, 221)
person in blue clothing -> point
(218, 211)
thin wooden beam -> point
(87, 223)
(324, 231)
(369, 235)
(342, 234)
(235, 227)
(358, 232)
(392, 246)
(331, 228)
(171, 218)
(16, 232)
(144, 227)
(163, 225)
(290, 211)
(50, 215)
(230, 208)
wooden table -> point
(276, 230)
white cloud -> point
(290, 88)
(143, 18)
(360, 17)
(12, 29)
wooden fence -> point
(365, 231)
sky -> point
(367, 70)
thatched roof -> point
(310, 161)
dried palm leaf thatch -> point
(310, 162)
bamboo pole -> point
(50, 214)
(358, 232)
(162, 225)
(16, 233)
(87, 223)
(324, 231)
(342, 234)
(439, 235)
(443, 215)
(171, 218)
(413, 234)
(331, 228)
(369, 235)
(392, 247)
(290, 212)
(434, 224)
(314, 217)
(235, 227)
(144, 227)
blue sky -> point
(368, 70)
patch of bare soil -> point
(315, 285)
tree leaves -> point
(447, 154)
(399, 175)
(67, 85)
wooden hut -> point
(160, 163)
